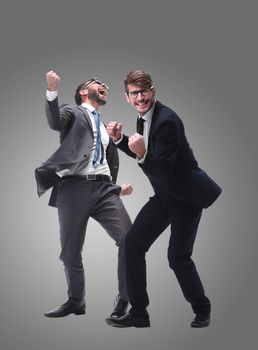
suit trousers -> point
(151, 221)
(77, 201)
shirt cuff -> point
(141, 160)
(51, 95)
(118, 141)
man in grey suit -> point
(83, 172)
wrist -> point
(142, 154)
(117, 138)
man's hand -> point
(53, 80)
(114, 130)
(136, 145)
(126, 189)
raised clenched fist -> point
(53, 80)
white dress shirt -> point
(146, 128)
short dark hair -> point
(77, 96)
(138, 78)
(83, 86)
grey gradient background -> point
(202, 56)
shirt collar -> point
(88, 107)
(148, 115)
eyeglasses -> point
(96, 81)
(143, 92)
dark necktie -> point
(140, 123)
(99, 149)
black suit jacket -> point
(76, 138)
(170, 164)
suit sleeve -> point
(159, 163)
(58, 119)
(123, 146)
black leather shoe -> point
(201, 321)
(66, 309)
(128, 320)
(120, 308)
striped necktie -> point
(99, 149)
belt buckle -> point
(91, 177)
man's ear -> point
(127, 98)
(83, 92)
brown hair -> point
(138, 78)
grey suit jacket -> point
(76, 138)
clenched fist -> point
(114, 130)
(52, 80)
(137, 145)
(126, 189)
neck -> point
(92, 103)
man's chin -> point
(142, 111)
(102, 102)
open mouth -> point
(102, 92)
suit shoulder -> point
(67, 106)
(166, 115)
(72, 110)
(165, 110)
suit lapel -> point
(154, 118)
(86, 114)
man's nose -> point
(104, 86)
(140, 96)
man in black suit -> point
(83, 172)
(181, 191)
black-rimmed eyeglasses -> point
(144, 92)
(96, 81)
